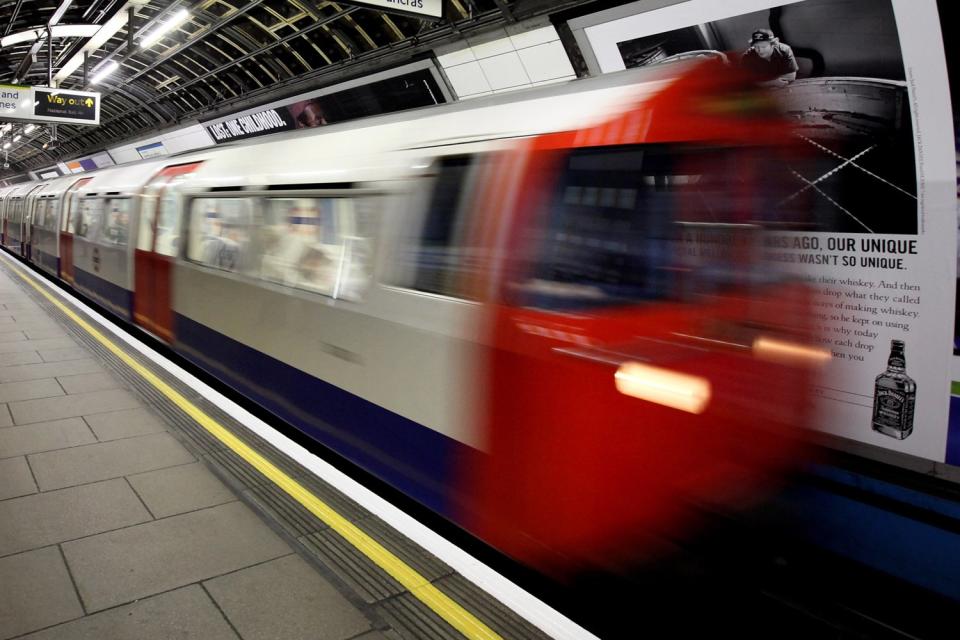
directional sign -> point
(47, 104)
(419, 8)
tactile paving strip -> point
(403, 615)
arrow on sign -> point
(89, 102)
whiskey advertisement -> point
(865, 84)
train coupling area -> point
(137, 501)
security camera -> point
(53, 144)
(6, 165)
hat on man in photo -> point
(762, 35)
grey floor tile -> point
(89, 382)
(23, 357)
(47, 369)
(12, 336)
(44, 436)
(5, 418)
(29, 389)
(90, 463)
(36, 345)
(37, 592)
(39, 332)
(15, 478)
(56, 516)
(59, 355)
(168, 492)
(285, 599)
(124, 424)
(184, 614)
(79, 404)
(121, 566)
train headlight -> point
(663, 386)
(784, 352)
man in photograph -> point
(769, 60)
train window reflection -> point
(627, 224)
(439, 259)
(116, 222)
(319, 244)
(220, 232)
(90, 218)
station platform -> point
(132, 506)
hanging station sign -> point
(47, 104)
(420, 8)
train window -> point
(624, 223)
(319, 244)
(90, 218)
(168, 222)
(116, 222)
(71, 219)
(436, 260)
(220, 232)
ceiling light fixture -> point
(17, 137)
(29, 129)
(109, 67)
(7, 145)
(159, 31)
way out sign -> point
(46, 104)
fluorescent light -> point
(59, 31)
(104, 71)
(7, 145)
(17, 137)
(107, 31)
(160, 30)
(29, 128)
(6, 127)
(62, 9)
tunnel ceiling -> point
(226, 53)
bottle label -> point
(889, 409)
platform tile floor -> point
(110, 529)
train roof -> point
(361, 150)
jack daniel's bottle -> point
(894, 396)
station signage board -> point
(419, 8)
(48, 104)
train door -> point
(69, 213)
(157, 245)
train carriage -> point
(464, 300)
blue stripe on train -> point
(48, 261)
(105, 293)
(414, 459)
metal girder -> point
(13, 18)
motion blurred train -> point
(544, 315)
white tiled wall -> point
(505, 60)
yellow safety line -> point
(421, 588)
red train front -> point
(643, 359)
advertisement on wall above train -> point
(409, 87)
(866, 86)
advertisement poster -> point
(865, 81)
(349, 101)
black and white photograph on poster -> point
(837, 70)
(866, 84)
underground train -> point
(544, 315)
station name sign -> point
(46, 104)
(420, 8)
